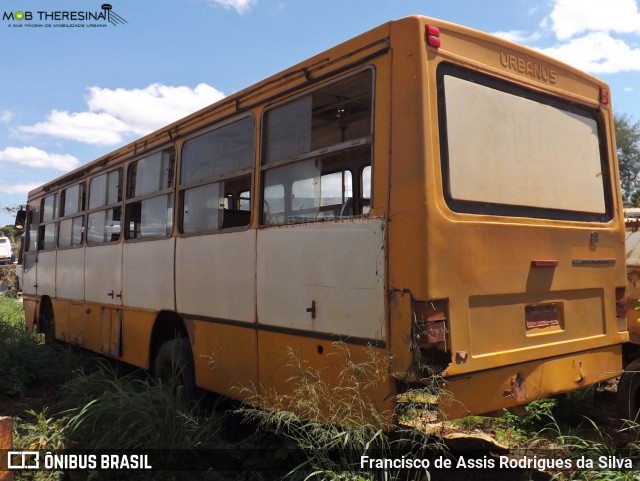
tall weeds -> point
(106, 410)
(24, 361)
(333, 424)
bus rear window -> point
(509, 151)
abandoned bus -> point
(436, 196)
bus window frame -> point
(318, 154)
(512, 210)
(52, 222)
(169, 192)
(80, 213)
(105, 207)
(182, 188)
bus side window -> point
(316, 148)
(47, 229)
(71, 226)
(215, 178)
(149, 209)
(31, 239)
(105, 195)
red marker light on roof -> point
(433, 36)
(604, 95)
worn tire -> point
(173, 366)
(628, 399)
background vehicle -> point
(435, 196)
(6, 253)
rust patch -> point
(461, 357)
(518, 388)
(579, 375)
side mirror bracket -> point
(21, 218)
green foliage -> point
(537, 414)
(17, 363)
(628, 142)
(334, 424)
(109, 411)
(11, 313)
(40, 431)
(8, 280)
(10, 231)
(24, 361)
(101, 408)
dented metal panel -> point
(70, 274)
(139, 288)
(46, 274)
(325, 277)
(103, 274)
(215, 276)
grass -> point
(24, 361)
(11, 312)
(319, 430)
(562, 429)
(334, 424)
(8, 281)
(107, 410)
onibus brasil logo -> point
(106, 14)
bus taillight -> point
(433, 36)
(430, 321)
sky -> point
(70, 94)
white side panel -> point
(215, 275)
(339, 265)
(103, 274)
(147, 274)
(47, 273)
(70, 274)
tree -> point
(10, 231)
(628, 142)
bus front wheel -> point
(47, 322)
(173, 367)
(628, 399)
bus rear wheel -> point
(628, 399)
(173, 367)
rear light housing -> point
(430, 322)
(432, 36)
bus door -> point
(103, 286)
(28, 277)
(29, 281)
(103, 261)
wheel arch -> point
(44, 313)
(168, 325)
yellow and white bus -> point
(441, 197)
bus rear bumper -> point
(517, 384)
